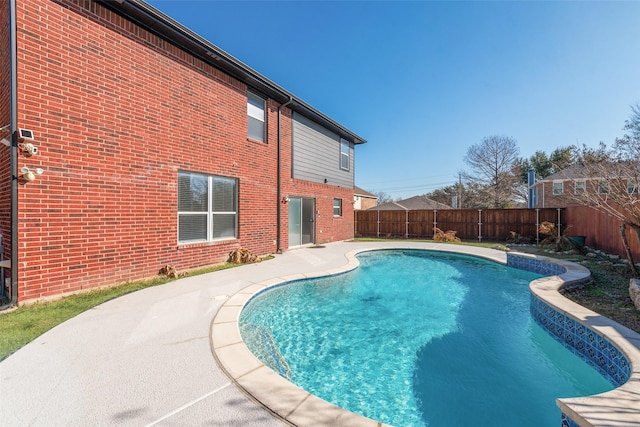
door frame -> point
(310, 217)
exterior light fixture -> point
(30, 175)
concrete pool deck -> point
(147, 358)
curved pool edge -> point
(295, 406)
(281, 398)
(618, 407)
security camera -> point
(29, 148)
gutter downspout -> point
(278, 179)
(13, 154)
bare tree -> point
(492, 165)
(383, 197)
(611, 180)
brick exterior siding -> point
(117, 112)
(546, 198)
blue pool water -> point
(419, 338)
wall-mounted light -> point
(285, 199)
(30, 175)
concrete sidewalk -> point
(145, 358)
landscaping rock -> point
(634, 292)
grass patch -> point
(22, 325)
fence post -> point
(559, 224)
(355, 223)
(435, 222)
(406, 227)
(378, 225)
(479, 225)
(537, 227)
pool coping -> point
(620, 406)
(295, 406)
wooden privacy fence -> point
(469, 224)
(601, 231)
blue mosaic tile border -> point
(583, 342)
(535, 265)
(596, 350)
(593, 348)
(568, 422)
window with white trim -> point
(558, 187)
(344, 154)
(603, 187)
(580, 187)
(632, 187)
(337, 207)
(255, 117)
(207, 207)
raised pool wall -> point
(608, 347)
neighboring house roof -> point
(167, 28)
(580, 172)
(572, 172)
(411, 204)
(360, 192)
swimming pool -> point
(393, 346)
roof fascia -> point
(173, 32)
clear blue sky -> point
(424, 80)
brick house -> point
(131, 143)
(362, 199)
(564, 188)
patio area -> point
(149, 358)
(146, 358)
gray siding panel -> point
(316, 154)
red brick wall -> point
(117, 113)
(5, 169)
(329, 228)
(546, 198)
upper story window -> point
(344, 154)
(337, 207)
(580, 187)
(256, 117)
(207, 207)
(603, 187)
(557, 188)
(632, 187)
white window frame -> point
(558, 190)
(603, 187)
(632, 187)
(345, 154)
(337, 207)
(256, 112)
(580, 187)
(210, 212)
